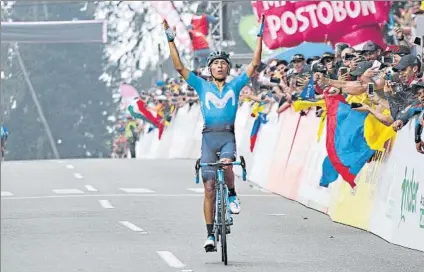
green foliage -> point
(66, 80)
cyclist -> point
(4, 135)
(219, 104)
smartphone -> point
(275, 80)
(388, 59)
(349, 56)
(370, 89)
(343, 70)
(376, 64)
(355, 105)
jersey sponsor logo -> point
(219, 103)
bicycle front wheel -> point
(223, 226)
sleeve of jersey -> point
(240, 81)
(195, 82)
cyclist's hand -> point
(170, 33)
(261, 26)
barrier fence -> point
(287, 160)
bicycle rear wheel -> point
(223, 226)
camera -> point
(389, 76)
(397, 87)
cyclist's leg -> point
(208, 155)
(229, 154)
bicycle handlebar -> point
(241, 163)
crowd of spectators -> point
(386, 82)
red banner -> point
(289, 23)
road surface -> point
(136, 215)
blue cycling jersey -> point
(218, 108)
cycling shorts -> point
(213, 142)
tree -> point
(66, 79)
(134, 31)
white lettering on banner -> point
(219, 103)
(325, 13)
(276, 4)
(353, 13)
(339, 12)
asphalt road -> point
(135, 215)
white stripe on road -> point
(70, 166)
(105, 204)
(136, 190)
(90, 188)
(170, 259)
(132, 227)
(67, 191)
(197, 190)
(78, 176)
(124, 195)
(4, 193)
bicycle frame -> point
(222, 222)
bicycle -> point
(223, 219)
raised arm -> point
(175, 56)
(256, 61)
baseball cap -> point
(370, 46)
(326, 55)
(362, 67)
(297, 57)
(339, 47)
(417, 86)
(407, 60)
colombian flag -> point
(261, 119)
(352, 139)
(138, 110)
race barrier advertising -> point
(287, 160)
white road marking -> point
(170, 259)
(122, 195)
(132, 227)
(4, 193)
(70, 166)
(186, 270)
(197, 190)
(277, 214)
(67, 191)
(90, 188)
(136, 190)
(106, 204)
(78, 176)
